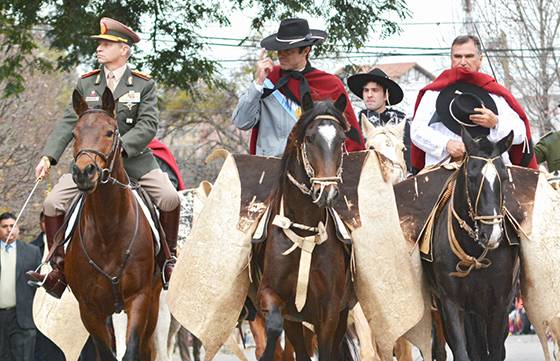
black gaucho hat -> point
(357, 82)
(456, 103)
(293, 33)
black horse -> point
(474, 268)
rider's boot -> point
(54, 282)
(170, 223)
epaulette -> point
(141, 75)
(93, 72)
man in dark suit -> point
(17, 329)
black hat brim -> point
(357, 82)
(272, 43)
(444, 115)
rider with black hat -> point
(379, 93)
(463, 97)
(271, 105)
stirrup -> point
(38, 284)
(172, 260)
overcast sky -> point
(432, 24)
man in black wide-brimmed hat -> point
(271, 105)
(379, 93)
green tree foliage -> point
(172, 27)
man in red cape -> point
(466, 60)
(271, 105)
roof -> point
(393, 70)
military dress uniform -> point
(137, 118)
(548, 149)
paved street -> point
(519, 348)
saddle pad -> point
(77, 206)
(417, 196)
(217, 256)
(259, 177)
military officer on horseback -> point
(137, 116)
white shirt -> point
(119, 72)
(432, 139)
(8, 274)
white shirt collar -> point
(3, 245)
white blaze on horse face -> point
(490, 173)
(328, 132)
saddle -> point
(146, 205)
(420, 198)
(259, 177)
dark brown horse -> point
(110, 262)
(308, 184)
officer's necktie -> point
(111, 81)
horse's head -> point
(96, 142)
(319, 135)
(388, 141)
(485, 173)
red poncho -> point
(323, 86)
(488, 83)
(161, 151)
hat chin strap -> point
(457, 120)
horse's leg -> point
(476, 337)
(147, 343)
(137, 312)
(196, 345)
(342, 343)
(497, 331)
(438, 337)
(454, 326)
(100, 335)
(294, 334)
(271, 305)
(403, 350)
(288, 354)
(258, 330)
(330, 335)
(367, 351)
(174, 327)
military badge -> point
(92, 97)
(130, 99)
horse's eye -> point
(110, 133)
(74, 135)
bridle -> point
(310, 171)
(109, 158)
(473, 210)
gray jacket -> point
(274, 121)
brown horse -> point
(110, 261)
(323, 295)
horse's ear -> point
(467, 140)
(367, 127)
(306, 102)
(505, 143)
(107, 101)
(78, 103)
(340, 103)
